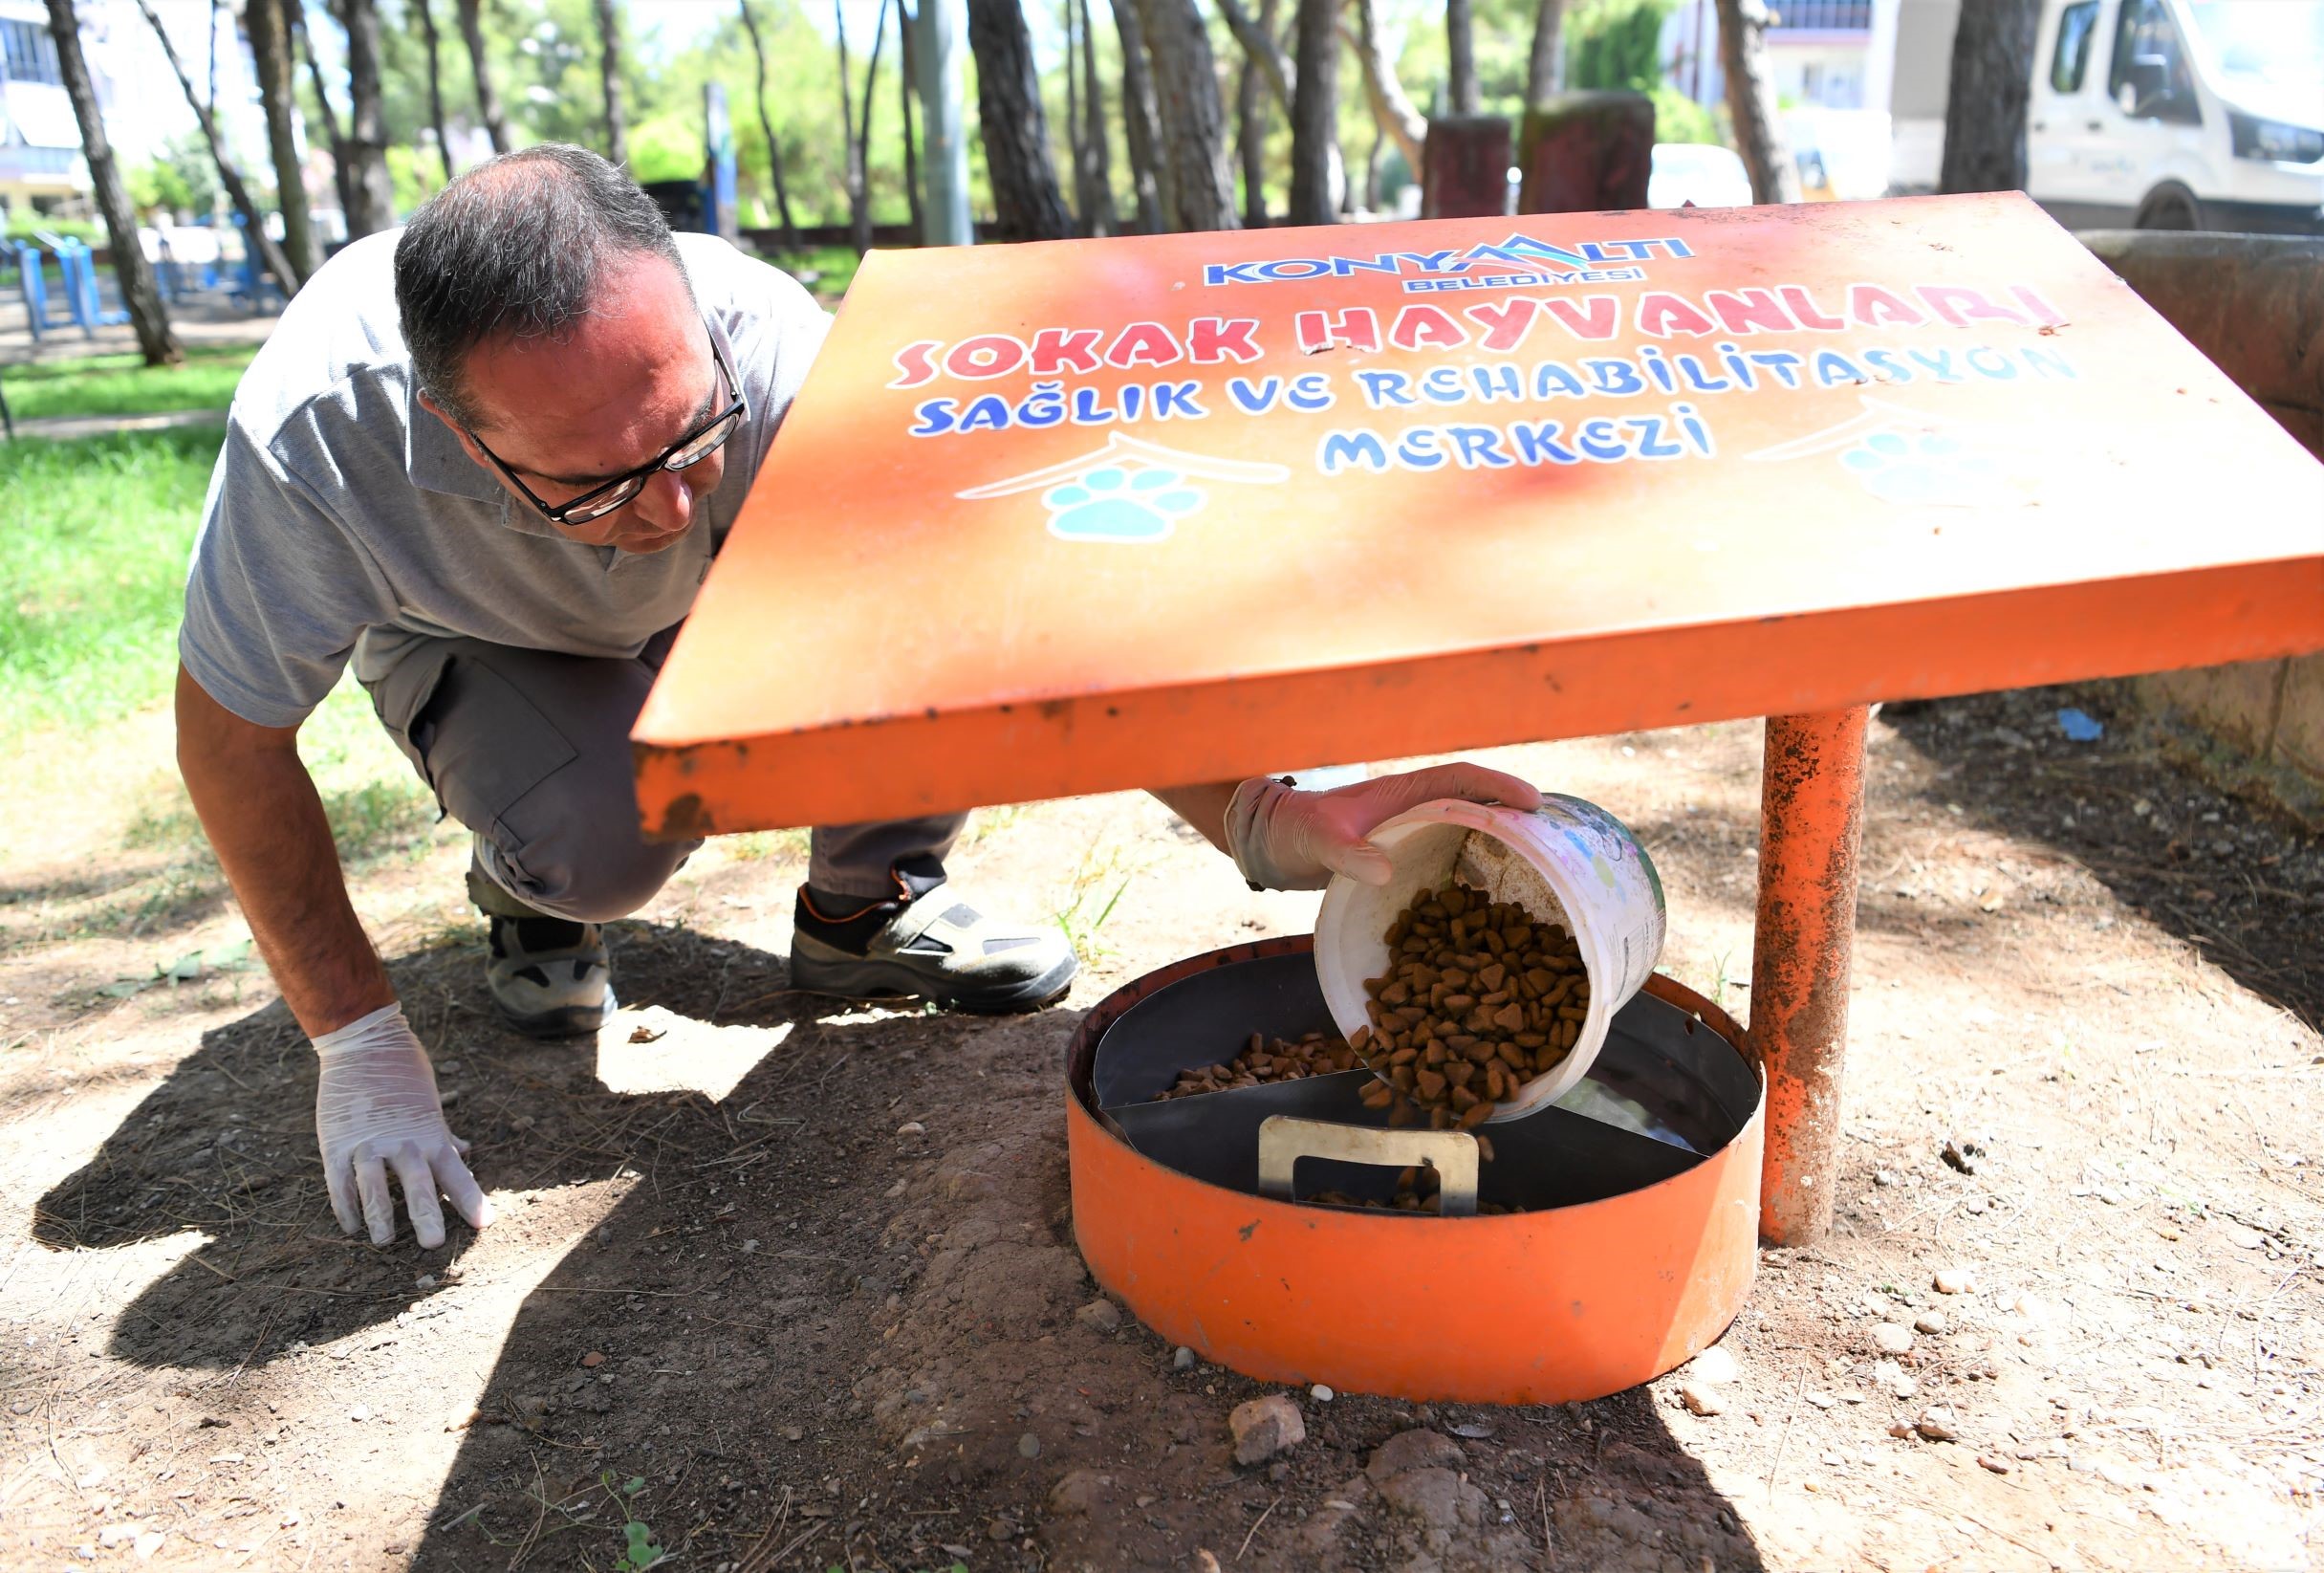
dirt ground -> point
(790, 1284)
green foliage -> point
(31, 226)
(1616, 44)
(638, 1552)
(180, 178)
(123, 384)
(1679, 119)
(91, 571)
(669, 146)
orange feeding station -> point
(1073, 517)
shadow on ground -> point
(2242, 885)
(837, 1316)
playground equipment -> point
(256, 288)
(76, 290)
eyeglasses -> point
(690, 449)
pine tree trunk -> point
(140, 292)
(435, 81)
(229, 176)
(1193, 121)
(1315, 114)
(1026, 201)
(860, 163)
(1390, 107)
(907, 72)
(765, 126)
(1984, 109)
(609, 68)
(1545, 71)
(297, 12)
(1098, 215)
(375, 195)
(1141, 123)
(1461, 65)
(271, 53)
(1072, 123)
(479, 64)
(1750, 101)
(1251, 127)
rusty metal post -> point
(1810, 824)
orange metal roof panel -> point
(1081, 515)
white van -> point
(2153, 114)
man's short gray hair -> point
(515, 248)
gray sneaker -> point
(551, 978)
(938, 948)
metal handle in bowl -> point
(1284, 1139)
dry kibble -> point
(1280, 1059)
(1479, 999)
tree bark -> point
(367, 182)
(907, 72)
(1193, 146)
(1315, 114)
(1984, 109)
(1141, 122)
(859, 159)
(271, 53)
(1097, 216)
(765, 126)
(298, 13)
(237, 192)
(1390, 107)
(1461, 58)
(1750, 101)
(609, 68)
(1026, 201)
(1545, 71)
(140, 292)
(1257, 36)
(487, 100)
(1251, 98)
(435, 81)
(1073, 121)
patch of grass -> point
(827, 271)
(91, 572)
(1099, 885)
(753, 845)
(123, 384)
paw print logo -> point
(1120, 505)
(1927, 468)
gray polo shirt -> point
(347, 522)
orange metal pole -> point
(1810, 824)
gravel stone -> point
(1954, 1281)
(1265, 1427)
(1701, 1399)
(1183, 1360)
(1931, 1322)
(1100, 1316)
(1713, 1366)
(1892, 1337)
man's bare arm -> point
(259, 807)
(1204, 807)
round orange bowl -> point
(1550, 1305)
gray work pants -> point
(530, 749)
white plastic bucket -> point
(1568, 860)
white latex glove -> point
(375, 1109)
(1283, 838)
